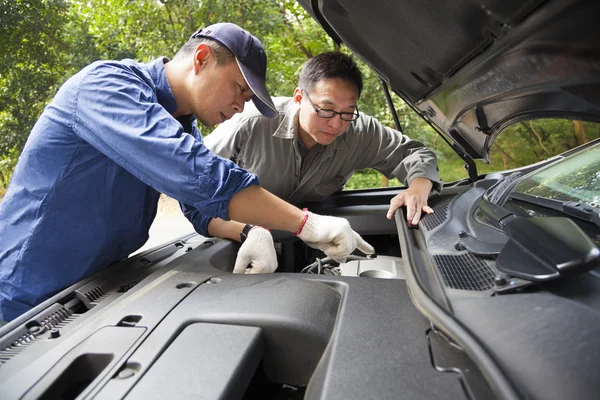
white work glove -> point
(257, 253)
(333, 236)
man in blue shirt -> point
(119, 133)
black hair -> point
(327, 66)
(222, 53)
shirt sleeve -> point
(117, 112)
(394, 154)
(199, 221)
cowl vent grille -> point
(94, 294)
(57, 319)
(465, 272)
(56, 316)
(440, 206)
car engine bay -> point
(427, 316)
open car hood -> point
(474, 67)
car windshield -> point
(576, 178)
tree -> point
(44, 42)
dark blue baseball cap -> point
(251, 58)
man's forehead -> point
(334, 98)
(329, 89)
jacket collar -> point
(164, 94)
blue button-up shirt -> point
(86, 187)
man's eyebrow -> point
(331, 103)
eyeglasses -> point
(325, 113)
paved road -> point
(169, 224)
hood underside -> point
(474, 67)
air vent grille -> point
(95, 294)
(56, 319)
(465, 272)
(440, 206)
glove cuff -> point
(299, 231)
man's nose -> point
(238, 104)
(336, 122)
(238, 107)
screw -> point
(126, 373)
(35, 329)
(500, 280)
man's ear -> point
(298, 95)
(202, 55)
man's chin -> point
(205, 123)
(327, 140)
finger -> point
(417, 216)
(339, 251)
(254, 270)
(260, 267)
(428, 210)
(241, 263)
(410, 211)
(362, 245)
(392, 210)
(395, 204)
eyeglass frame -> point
(355, 114)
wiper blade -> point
(572, 208)
(499, 192)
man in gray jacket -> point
(311, 149)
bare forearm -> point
(225, 229)
(255, 205)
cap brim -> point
(261, 99)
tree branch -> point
(63, 46)
(538, 136)
(505, 154)
(290, 29)
(580, 132)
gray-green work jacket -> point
(269, 149)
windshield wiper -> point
(499, 192)
(572, 208)
(539, 249)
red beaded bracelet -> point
(303, 221)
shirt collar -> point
(288, 128)
(163, 90)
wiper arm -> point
(540, 249)
(499, 192)
(573, 208)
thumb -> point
(362, 245)
(259, 267)
(241, 263)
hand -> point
(257, 253)
(333, 236)
(415, 200)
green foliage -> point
(368, 178)
(7, 165)
(29, 64)
(44, 42)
